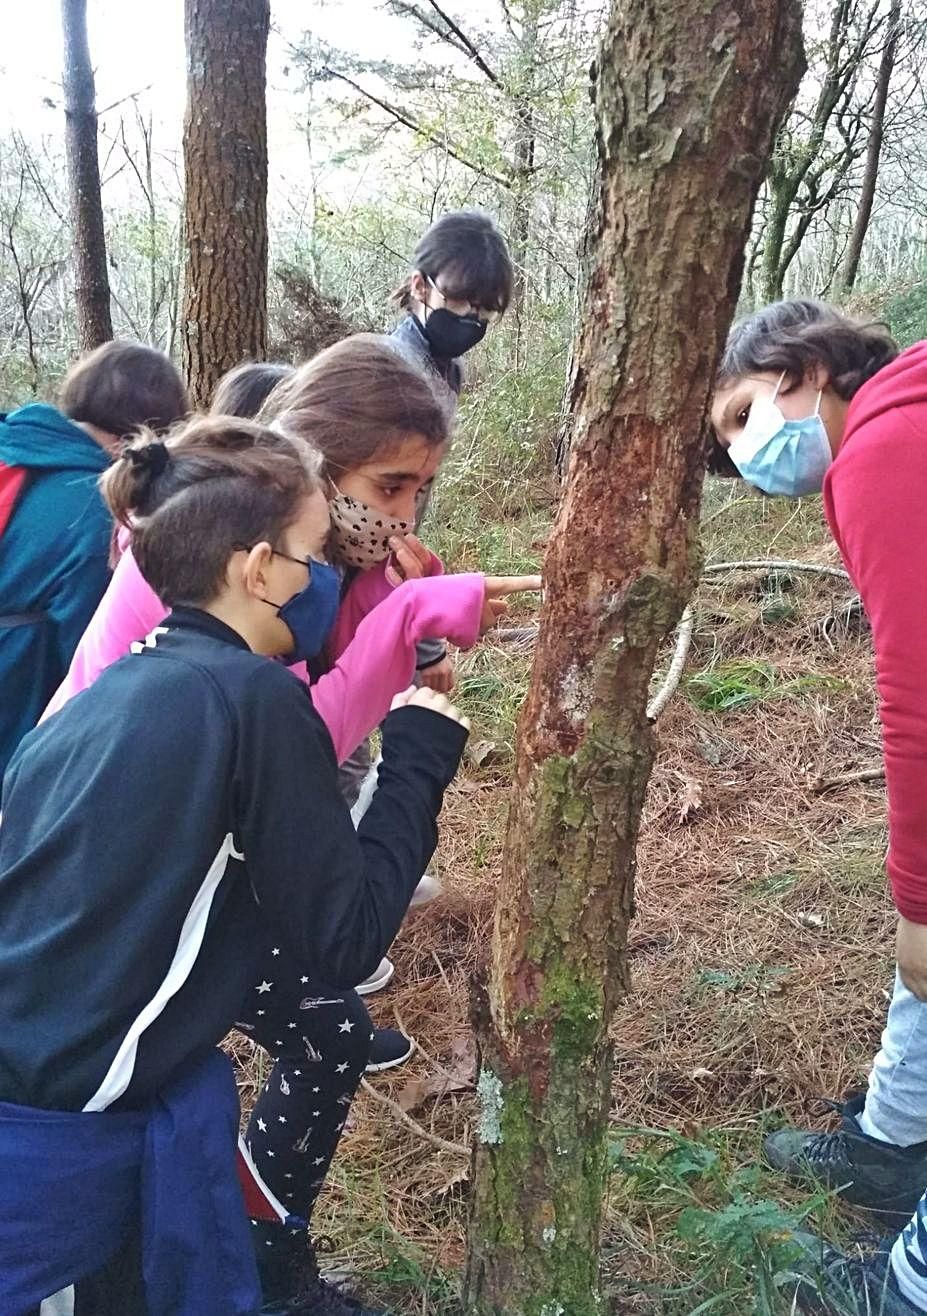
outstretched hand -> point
(497, 589)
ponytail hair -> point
(213, 486)
(359, 398)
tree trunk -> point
(873, 149)
(91, 284)
(688, 99)
(782, 192)
(224, 318)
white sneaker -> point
(378, 979)
(428, 889)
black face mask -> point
(451, 335)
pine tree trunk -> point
(91, 284)
(689, 97)
(873, 150)
(224, 318)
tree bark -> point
(688, 100)
(873, 149)
(91, 283)
(224, 318)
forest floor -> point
(760, 951)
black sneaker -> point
(388, 1049)
(840, 1285)
(865, 1171)
(293, 1286)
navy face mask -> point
(310, 614)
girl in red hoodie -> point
(808, 400)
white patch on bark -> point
(549, 1234)
(492, 1103)
(575, 694)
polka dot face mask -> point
(361, 533)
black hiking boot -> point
(838, 1284)
(865, 1171)
(292, 1285)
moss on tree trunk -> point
(688, 99)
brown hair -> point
(358, 398)
(792, 337)
(244, 390)
(466, 250)
(121, 387)
(214, 486)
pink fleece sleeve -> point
(875, 505)
(379, 661)
(367, 590)
(128, 611)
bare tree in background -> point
(873, 149)
(224, 318)
(689, 96)
(91, 285)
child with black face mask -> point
(459, 285)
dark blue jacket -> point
(73, 1185)
(54, 557)
(409, 337)
(162, 832)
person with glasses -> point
(460, 284)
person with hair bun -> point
(173, 832)
(809, 399)
(54, 528)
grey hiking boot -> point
(835, 1283)
(865, 1171)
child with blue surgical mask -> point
(807, 401)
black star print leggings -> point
(320, 1041)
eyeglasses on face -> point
(459, 306)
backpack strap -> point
(12, 479)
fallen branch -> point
(821, 784)
(514, 634)
(395, 1109)
(677, 666)
(775, 564)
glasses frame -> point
(473, 311)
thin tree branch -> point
(401, 116)
(475, 55)
(395, 1109)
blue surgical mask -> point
(311, 613)
(779, 456)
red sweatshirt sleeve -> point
(874, 499)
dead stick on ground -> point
(395, 1109)
(677, 666)
(775, 564)
(822, 784)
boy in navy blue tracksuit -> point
(167, 831)
(54, 528)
